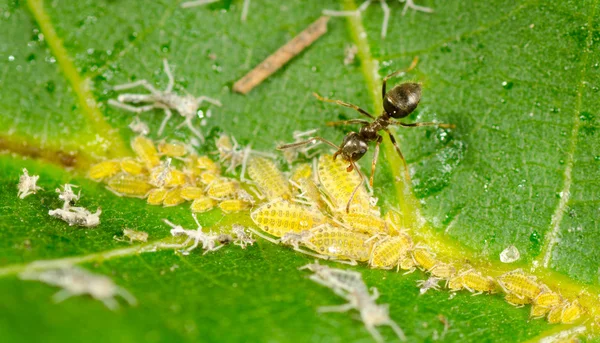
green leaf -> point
(522, 167)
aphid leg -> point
(188, 122)
(348, 122)
(386, 18)
(272, 240)
(412, 66)
(207, 99)
(393, 139)
(309, 253)
(62, 295)
(363, 7)
(245, 9)
(138, 83)
(245, 163)
(376, 335)
(345, 104)
(411, 4)
(362, 180)
(214, 249)
(397, 330)
(374, 163)
(339, 308)
(168, 115)
(195, 3)
(446, 126)
(375, 294)
(130, 108)
(110, 303)
(308, 141)
(126, 295)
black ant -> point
(398, 103)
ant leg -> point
(412, 66)
(386, 18)
(171, 83)
(345, 104)
(362, 180)
(447, 126)
(393, 139)
(308, 141)
(348, 122)
(374, 163)
(168, 115)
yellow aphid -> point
(205, 163)
(301, 172)
(538, 311)
(339, 243)
(131, 166)
(176, 178)
(365, 222)
(389, 251)
(269, 179)
(555, 315)
(407, 263)
(146, 151)
(571, 312)
(202, 204)
(173, 197)
(280, 217)
(127, 185)
(517, 301)
(156, 196)
(394, 222)
(443, 270)
(207, 177)
(221, 189)
(173, 149)
(191, 192)
(339, 184)
(548, 299)
(134, 235)
(233, 205)
(520, 284)
(473, 281)
(311, 193)
(103, 170)
(424, 258)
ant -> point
(398, 103)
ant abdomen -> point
(401, 100)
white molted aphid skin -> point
(510, 254)
(78, 216)
(431, 283)
(27, 184)
(139, 127)
(187, 106)
(67, 195)
(209, 240)
(242, 238)
(77, 281)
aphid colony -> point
(169, 174)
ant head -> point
(401, 100)
(353, 147)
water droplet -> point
(165, 47)
(507, 84)
(597, 158)
(90, 51)
(11, 58)
(596, 65)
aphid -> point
(207, 177)
(162, 174)
(172, 149)
(187, 106)
(269, 179)
(195, 3)
(571, 312)
(519, 284)
(104, 169)
(139, 127)
(340, 185)
(394, 221)
(191, 192)
(398, 103)
(386, 12)
(222, 189)
(242, 238)
(279, 217)
(145, 150)
(173, 197)
(27, 184)
(234, 155)
(517, 301)
(365, 222)
(538, 311)
(358, 297)
(77, 281)
(209, 240)
(176, 178)
(67, 195)
(547, 299)
(78, 216)
(443, 270)
(555, 314)
(472, 281)
(424, 258)
(338, 242)
(205, 163)
(407, 263)
(301, 172)
(127, 185)
(202, 204)
(131, 166)
(430, 283)
(389, 251)
(233, 205)
(311, 195)
(156, 196)
(133, 235)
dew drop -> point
(507, 84)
